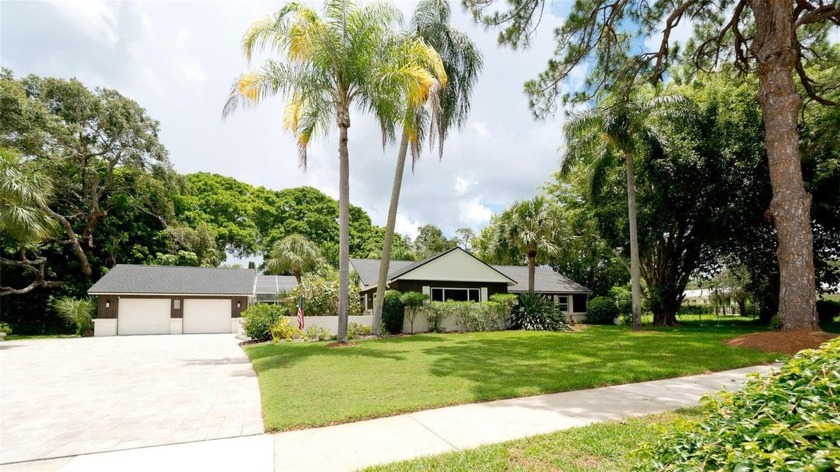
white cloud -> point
(463, 184)
(473, 213)
(96, 17)
(188, 67)
(406, 227)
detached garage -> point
(135, 299)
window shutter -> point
(484, 296)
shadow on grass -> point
(280, 356)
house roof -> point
(368, 269)
(546, 280)
(175, 280)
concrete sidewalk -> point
(355, 445)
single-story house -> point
(139, 299)
(458, 275)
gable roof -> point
(546, 280)
(368, 269)
(175, 280)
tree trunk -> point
(532, 269)
(635, 271)
(86, 269)
(791, 204)
(390, 225)
(343, 224)
(665, 314)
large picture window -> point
(456, 294)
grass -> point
(20, 337)
(307, 384)
(600, 447)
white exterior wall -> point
(330, 323)
(176, 326)
(421, 324)
(105, 327)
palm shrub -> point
(535, 312)
(788, 420)
(412, 301)
(78, 312)
(257, 320)
(393, 312)
(601, 310)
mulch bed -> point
(787, 342)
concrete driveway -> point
(64, 397)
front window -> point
(563, 303)
(456, 294)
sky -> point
(179, 59)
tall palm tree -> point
(347, 58)
(529, 226)
(296, 254)
(449, 109)
(619, 128)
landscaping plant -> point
(5, 328)
(463, 313)
(393, 312)
(788, 420)
(412, 301)
(537, 313)
(436, 312)
(355, 330)
(320, 296)
(257, 320)
(284, 331)
(828, 310)
(78, 312)
(601, 310)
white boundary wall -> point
(330, 323)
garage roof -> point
(175, 280)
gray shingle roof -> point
(368, 269)
(175, 280)
(545, 280)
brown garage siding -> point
(109, 311)
(236, 311)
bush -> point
(507, 302)
(537, 313)
(5, 328)
(283, 330)
(487, 316)
(320, 296)
(354, 330)
(463, 313)
(257, 320)
(436, 312)
(827, 310)
(601, 310)
(78, 312)
(788, 420)
(315, 333)
(776, 323)
(392, 312)
(412, 301)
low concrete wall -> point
(105, 327)
(330, 323)
(236, 325)
(176, 326)
(421, 324)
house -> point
(139, 299)
(458, 275)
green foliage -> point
(489, 316)
(320, 296)
(78, 312)
(463, 312)
(429, 241)
(412, 301)
(624, 301)
(788, 420)
(5, 328)
(601, 310)
(436, 313)
(393, 312)
(283, 330)
(316, 333)
(828, 310)
(356, 330)
(537, 313)
(776, 323)
(257, 320)
(294, 254)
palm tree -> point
(529, 226)
(296, 254)
(24, 193)
(619, 128)
(347, 58)
(449, 109)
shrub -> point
(507, 302)
(412, 301)
(320, 296)
(601, 310)
(354, 330)
(463, 312)
(436, 312)
(776, 323)
(392, 312)
(487, 316)
(316, 333)
(283, 330)
(788, 420)
(5, 328)
(624, 301)
(258, 319)
(827, 310)
(537, 313)
(78, 312)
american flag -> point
(300, 312)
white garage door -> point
(143, 316)
(207, 315)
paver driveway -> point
(63, 397)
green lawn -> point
(20, 337)
(309, 384)
(600, 447)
